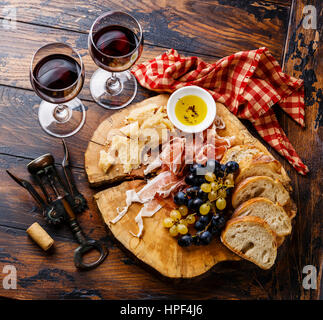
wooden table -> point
(208, 29)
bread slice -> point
(262, 165)
(251, 238)
(270, 212)
(260, 186)
(241, 152)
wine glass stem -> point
(62, 113)
(113, 85)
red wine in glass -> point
(115, 40)
(111, 46)
(115, 44)
(56, 77)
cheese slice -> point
(125, 151)
(141, 114)
(152, 137)
(120, 145)
(152, 121)
(106, 160)
(131, 144)
(131, 130)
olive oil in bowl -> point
(190, 110)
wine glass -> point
(115, 44)
(57, 76)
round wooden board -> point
(156, 247)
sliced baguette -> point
(262, 165)
(270, 212)
(241, 152)
(260, 186)
(251, 238)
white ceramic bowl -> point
(197, 91)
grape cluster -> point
(203, 203)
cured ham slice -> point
(185, 150)
(148, 210)
(160, 186)
(163, 184)
(172, 154)
(209, 151)
(153, 165)
(131, 197)
(214, 139)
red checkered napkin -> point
(249, 83)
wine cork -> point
(40, 236)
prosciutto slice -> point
(172, 154)
(148, 210)
(185, 150)
(160, 186)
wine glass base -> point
(65, 123)
(123, 93)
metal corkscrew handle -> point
(86, 245)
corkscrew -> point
(62, 201)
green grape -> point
(175, 214)
(168, 222)
(183, 210)
(182, 229)
(210, 176)
(228, 183)
(204, 209)
(214, 186)
(190, 219)
(221, 203)
(222, 193)
(173, 231)
(206, 187)
(212, 195)
(183, 221)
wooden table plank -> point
(304, 59)
(229, 27)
